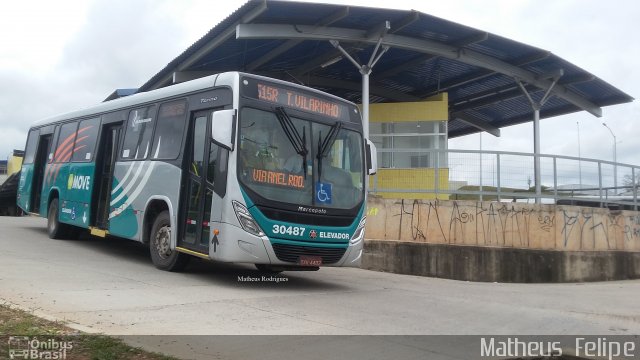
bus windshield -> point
(279, 157)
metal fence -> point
(509, 176)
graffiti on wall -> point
(506, 225)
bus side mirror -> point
(372, 158)
(223, 128)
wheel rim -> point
(51, 220)
(163, 242)
(52, 226)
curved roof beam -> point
(477, 123)
(284, 31)
(418, 60)
(336, 16)
(488, 97)
(335, 54)
(483, 73)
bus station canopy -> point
(418, 56)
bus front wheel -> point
(55, 228)
(163, 257)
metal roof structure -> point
(485, 75)
(118, 93)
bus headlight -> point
(358, 235)
(246, 220)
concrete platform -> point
(110, 286)
(499, 264)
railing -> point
(509, 176)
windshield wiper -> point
(299, 142)
(326, 144)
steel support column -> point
(365, 71)
(536, 106)
(536, 152)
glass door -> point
(105, 165)
(198, 193)
(38, 172)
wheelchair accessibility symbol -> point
(323, 193)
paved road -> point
(110, 286)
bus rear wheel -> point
(163, 257)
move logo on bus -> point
(78, 182)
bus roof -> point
(163, 93)
(140, 98)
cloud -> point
(73, 54)
(120, 44)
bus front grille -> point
(302, 218)
(291, 253)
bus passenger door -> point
(198, 193)
(105, 164)
(40, 162)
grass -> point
(15, 322)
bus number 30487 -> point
(289, 230)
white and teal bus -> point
(232, 167)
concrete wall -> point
(493, 264)
(503, 242)
(512, 225)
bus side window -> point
(217, 168)
(167, 140)
(66, 140)
(86, 141)
(197, 150)
(32, 143)
(54, 141)
(137, 140)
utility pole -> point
(579, 156)
(615, 159)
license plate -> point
(310, 260)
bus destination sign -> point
(296, 99)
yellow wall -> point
(409, 179)
(432, 109)
(14, 164)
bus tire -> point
(163, 257)
(55, 228)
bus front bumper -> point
(233, 244)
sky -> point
(60, 56)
